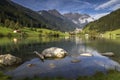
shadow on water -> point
(86, 65)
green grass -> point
(5, 30)
(40, 32)
(113, 34)
(112, 75)
(30, 32)
(4, 77)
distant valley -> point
(76, 19)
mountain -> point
(56, 13)
(57, 19)
(12, 14)
(107, 23)
(80, 19)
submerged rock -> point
(53, 52)
(52, 65)
(86, 54)
(108, 54)
(30, 65)
(8, 60)
(75, 61)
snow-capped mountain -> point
(68, 21)
(57, 20)
(79, 19)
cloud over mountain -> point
(108, 4)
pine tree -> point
(12, 24)
(7, 23)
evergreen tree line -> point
(107, 23)
(15, 22)
(16, 16)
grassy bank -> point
(5, 31)
(112, 75)
(4, 77)
(112, 34)
(108, 34)
(29, 32)
(41, 32)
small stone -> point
(75, 61)
(86, 54)
(52, 65)
(110, 54)
(30, 65)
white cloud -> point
(116, 7)
(97, 16)
(107, 4)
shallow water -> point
(86, 65)
(64, 67)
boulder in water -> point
(8, 60)
(53, 52)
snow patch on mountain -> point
(80, 19)
(74, 21)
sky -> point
(95, 8)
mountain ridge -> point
(109, 22)
(12, 14)
(17, 13)
(56, 18)
(79, 19)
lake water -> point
(64, 67)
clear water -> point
(86, 65)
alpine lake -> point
(71, 66)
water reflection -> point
(64, 67)
(15, 40)
(75, 46)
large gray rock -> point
(53, 52)
(9, 60)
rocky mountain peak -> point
(54, 12)
(79, 19)
(74, 16)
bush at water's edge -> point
(4, 77)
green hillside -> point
(14, 16)
(109, 22)
(29, 32)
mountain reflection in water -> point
(65, 67)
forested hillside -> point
(109, 22)
(13, 16)
(57, 19)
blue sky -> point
(95, 8)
